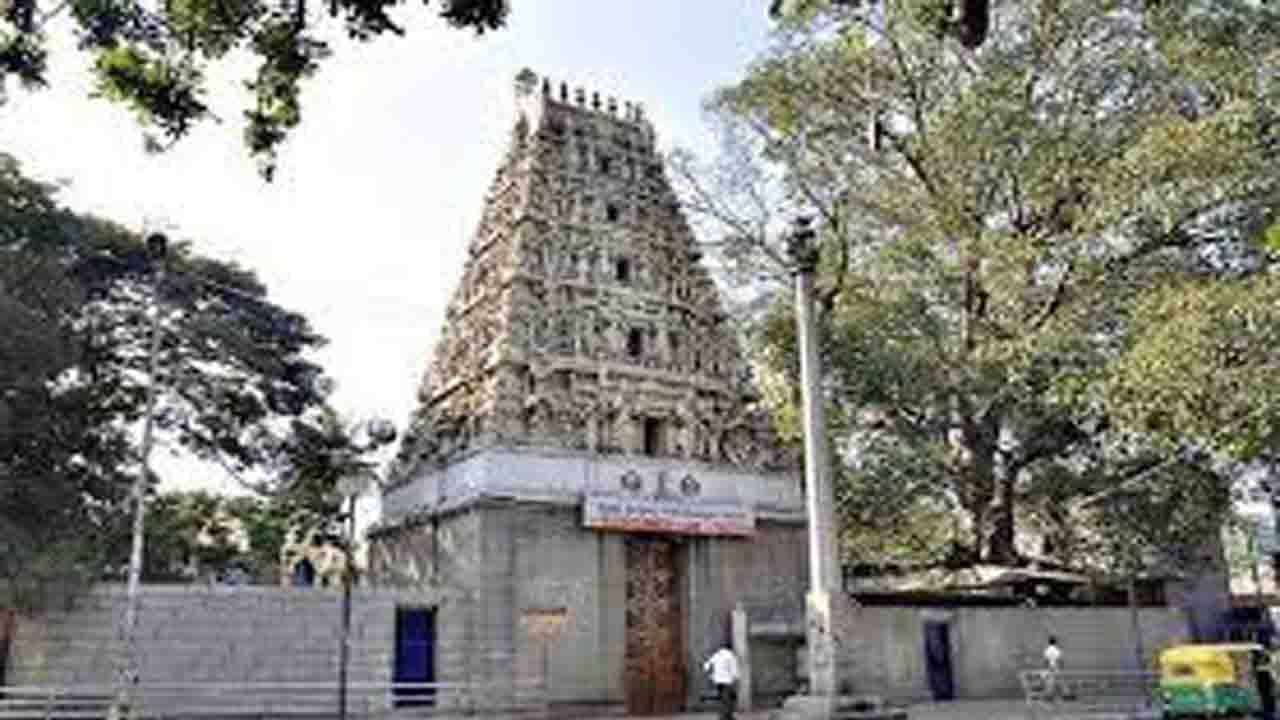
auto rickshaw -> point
(1210, 680)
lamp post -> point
(350, 487)
(127, 669)
(819, 495)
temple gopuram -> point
(589, 466)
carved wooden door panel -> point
(655, 645)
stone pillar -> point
(824, 571)
(742, 648)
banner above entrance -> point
(681, 516)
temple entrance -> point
(655, 672)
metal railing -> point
(271, 700)
(1090, 695)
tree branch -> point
(1048, 440)
(1055, 301)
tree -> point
(233, 376)
(61, 483)
(188, 533)
(199, 534)
(1007, 232)
(155, 59)
(968, 21)
(323, 450)
(266, 523)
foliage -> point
(1165, 525)
(61, 484)
(323, 451)
(198, 534)
(1044, 267)
(79, 293)
(266, 524)
(967, 21)
(154, 59)
(187, 533)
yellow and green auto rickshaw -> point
(1209, 680)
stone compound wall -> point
(883, 648)
(192, 634)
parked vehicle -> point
(1210, 680)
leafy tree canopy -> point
(154, 58)
(190, 535)
(1046, 288)
(233, 382)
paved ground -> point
(959, 710)
(971, 710)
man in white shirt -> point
(1053, 663)
(723, 666)
(1053, 655)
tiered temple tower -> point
(588, 444)
(584, 319)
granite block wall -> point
(559, 566)
(883, 647)
(216, 634)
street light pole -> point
(350, 487)
(128, 662)
(819, 494)
(344, 650)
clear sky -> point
(379, 190)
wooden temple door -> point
(655, 672)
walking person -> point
(723, 666)
(1053, 664)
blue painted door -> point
(415, 655)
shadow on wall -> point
(8, 622)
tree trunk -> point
(1135, 621)
(990, 501)
(978, 505)
(1002, 548)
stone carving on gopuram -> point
(585, 319)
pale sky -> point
(380, 189)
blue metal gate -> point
(415, 656)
